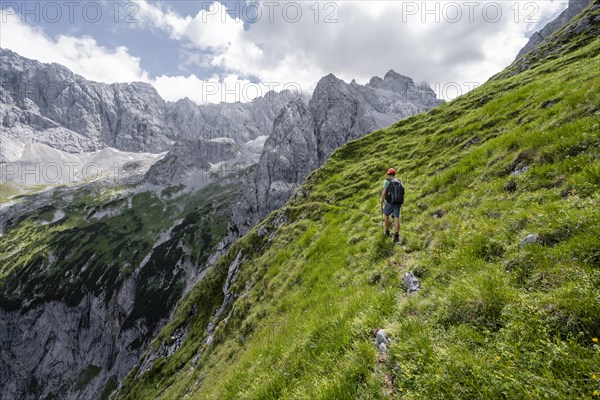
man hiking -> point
(393, 197)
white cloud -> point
(369, 38)
(435, 42)
(82, 55)
(216, 89)
(85, 57)
(208, 29)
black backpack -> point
(395, 192)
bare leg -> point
(397, 224)
(386, 220)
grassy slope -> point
(493, 320)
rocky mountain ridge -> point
(574, 8)
(304, 136)
(48, 103)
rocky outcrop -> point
(239, 121)
(411, 283)
(289, 155)
(304, 137)
(57, 351)
(574, 8)
(381, 341)
(50, 100)
(532, 238)
(192, 161)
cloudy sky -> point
(235, 50)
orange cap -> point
(391, 171)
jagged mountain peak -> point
(138, 87)
(393, 75)
(271, 95)
(328, 83)
(393, 81)
(183, 103)
(12, 62)
(305, 136)
(375, 81)
(294, 105)
(330, 87)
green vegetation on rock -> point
(88, 240)
(87, 375)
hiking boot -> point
(387, 233)
(396, 238)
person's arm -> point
(385, 186)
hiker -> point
(393, 197)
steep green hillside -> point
(305, 290)
(90, 239)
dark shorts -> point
(392, 209)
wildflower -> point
(595, 340)
(596, 393)
(594, 376)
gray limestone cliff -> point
(49, 104)
(70, 352)
(304, 137)
(574, 8)
(289, 155)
